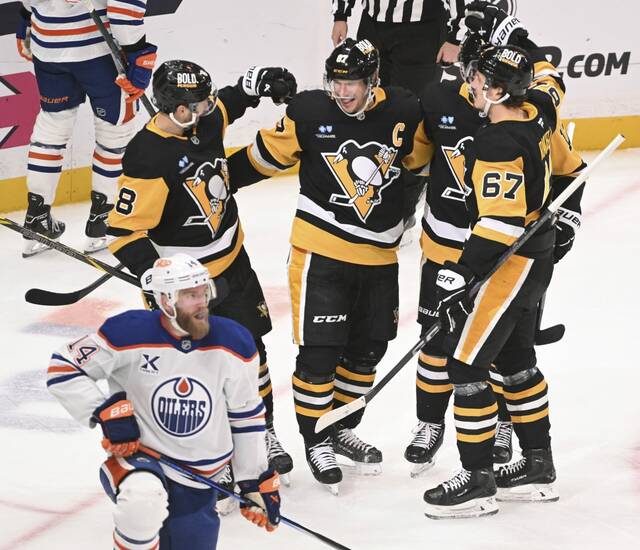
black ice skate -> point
(322, 461)
(278, 458)
(427, 439)
(502, 448)
(226, 505)
(39, 219)
(469, 494)
(530, 479)
(96, 228)
(366, 459)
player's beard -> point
(196, 324)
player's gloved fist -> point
(139, 70)
(119, 425)
(274, 82)
(23, 35)
(494, 24)
(452, 290)
(567, 224)
(264, 493)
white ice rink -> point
(50, 497)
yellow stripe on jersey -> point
(422, 151)
(309, 237)
(216, 267)
(281, 142)
(297, 262)
(499, 188)
(436, 252)
(121, 242)
(225, 115)
(139, 203)
(493, 235)
(260, 165)
(564, 160)
(464, 92)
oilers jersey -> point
(63, 31)
(195, 401)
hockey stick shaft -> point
(72, 252)
(118, 55)
(333, 416)
(206, 481)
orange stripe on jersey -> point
(105, 160)
(53, 370)
(66, 32)
(124, 11)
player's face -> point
(192, 313)
(477, 89)
(351, 94)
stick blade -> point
(41, 297)
(331, 417)
(549, 335)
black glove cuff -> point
(25, 14)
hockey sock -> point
(312, 397)
(433, 388)
(106, 168)
(44, 168)
(265, 390)
(497, 385)
(528, 405)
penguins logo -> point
(362, 173)
(209, 189)
(455, 159)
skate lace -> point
(322, 455)
(425, 434)
(503, 434)
(457, 481)
(348, 438)
(274, 448)
(513, 468)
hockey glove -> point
(119, 425)
(23, 35)
(274, 82)
(452, 290)
(139, 70)
(494, 24)
(567, 224)
(264, 492)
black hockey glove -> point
(567, 224)
(494, 24)
(452, 290)
(274, 82)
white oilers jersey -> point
(63, 31)
(196, 401)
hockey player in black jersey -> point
(350, 140)
(174, 196)
(507, 172)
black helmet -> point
(471, 47)
(509, 67)
(353, 60)
(178, 82)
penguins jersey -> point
(351, 195)
(508, 172)
(173, 195)
(451, 122)
(195, 401)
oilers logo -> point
(209, 189)
(362, 171)
(181, 406)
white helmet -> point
(174, 273)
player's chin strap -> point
(488, 103)
(184, 125)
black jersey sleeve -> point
(234, 102)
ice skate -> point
(366, 459)
(502, 448)
(529, 479)
(468, 494)
(278, 458)
(427, 439)
(39, 219)
(96, 227)
(322, 461)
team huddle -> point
(188, 376)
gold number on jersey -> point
(126, 199)
(492, 184)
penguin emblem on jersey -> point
(181, 406)
(209, 189)
(455, 160)
(363, 172)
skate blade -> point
(418, 469)
(533, 492)
(95, 245)
(360, 468)
(285, 479)
(227, 506)
(333, 488)
(476, 508)
(31, 248)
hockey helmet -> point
(178, 82)
(352, 60)
(508, 67)
(471, 47)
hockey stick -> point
(43, 297)
(206, 481)
(85, 258)
(333, 416)
(119, 58)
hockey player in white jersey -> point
(71, 61)
(184, 384)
